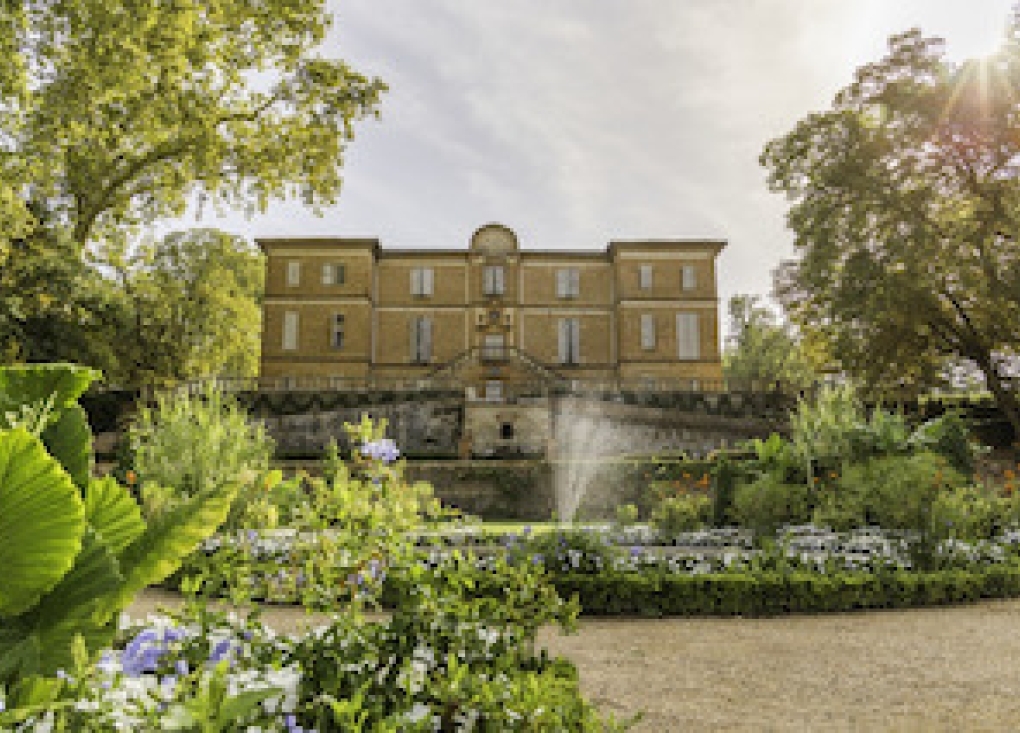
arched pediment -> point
(494, 239)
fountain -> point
(583, 433)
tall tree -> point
(906, 215)
(189, 307)
(116, 113)
(761, 351)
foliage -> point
(71, 565)
(188, 306)
(626, 514)
(762, 353)
(574, 550)
(948, 436)
(966, 513)
(43, 398)
(905, 212)
(768, 502)
(193, 443)
(681, 514)
(724, 486)
(893, 492)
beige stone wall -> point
(667, 277)
(484, 424)
(357, 261)
(539, 335)
(393, 334)
(449, 281)
(538, 281)
(315, 353)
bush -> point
(572, 550)
(948, 437)
(767, 503)
(966, 513)
(626, 514)
(681, 514)
(894, 492)
(198, 442)
(724, 480)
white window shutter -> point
(327, 274)
(415, 281)
(647, 331)
(575, 282)
(499, 280)
(688, 336)
(414, 338)
(561, 283)
(293, 273)
(690, 277)
(564, 325)
(646, 277)
(426, 337)
(290, 331)
(575, 340)
(426, 283)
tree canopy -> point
(117, 113)
(905, 208)
(761, 351)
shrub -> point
(767, 503)
(724, 480)
(626, 514)
(893, 492)
(199, 442)
(681, 514)
(948, 437)
(966, 513)
(571, 550)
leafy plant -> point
(679, 514)
(768, 502)
(626, 514)
(948, 436)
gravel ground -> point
(930, 669)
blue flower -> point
(384, 450)
(635, 551)
(142, 654)
(220, 651)
(181, 667)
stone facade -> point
(492, 316)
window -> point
(506, 430)
(568, 283)
(293, 274)
(647, 330)
(688, 336)
(493, 348)
(421, 281)
(337, 336)
(645, 275)
(333, 274)
(290, 331)
(494, 390)
(570, 341)
(421, 339)
(690, 277)
(492, 280)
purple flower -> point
(181, 667)
(537, 559)
(384, 450)
(635, 551)
(252, 536)
(142, 654)
(220, 651)
(61, 674)
(527, 530)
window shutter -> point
(564, 325)
(646, 277)
(690, 277)
(575, 282)
(415, 281)
(426, 281)
(575, 341)
(561, 283)
(688, 336)
(415, 356)
(647, 331)
(340, 274)
(338, 331)
(327, 274)
(290, 331)
(499, 280)
(426, 337)
(293, 273)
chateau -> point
(493, 317)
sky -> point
(576, 122)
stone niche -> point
(506, 430)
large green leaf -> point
(69, 609)
(167, 541)
(27, 384)
(68, 438)
(112, 512)
(42, 519)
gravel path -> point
(929, 669)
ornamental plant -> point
(72, 563)
(679, 514)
